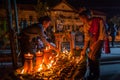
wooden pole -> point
(16, 16)
(17, 27)
(11, 34)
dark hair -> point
(85, 13)
(44, 18)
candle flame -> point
(28, 54)
(22, 71)
(39, 51)
(46, 48)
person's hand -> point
(81, 57)
(54, 48)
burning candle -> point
(28, 65)
(47, 49)
(39, 58)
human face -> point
(83, 19)
(46, 23)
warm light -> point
(43, 61)
(47, 48)
(65, 51)
(57, 55)
(40, 68)
(50, 57)
(22, 71)
(50, 64)
(52, 61)
(39, 51)
(28, 54)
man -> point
(113, 32)
(94, 33)
(36, 30)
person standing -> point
(94, 34)
(33, 31)
(113, 32)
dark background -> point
(110, 7)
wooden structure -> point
(65, 40)
(65, 17)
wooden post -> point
(11, 34)
(16, 16)
(17, 27)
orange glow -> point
(40, 68)
(22, 71)
(28, 64)
(39, 58)
(28, 54)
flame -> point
(52, 61)
(22, 71)
(57, 55)
(28, 54)
(47, 48)
(40, 68)
(50, 57)
(50, 64)
(38, 52)
(65, 50)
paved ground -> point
(112, 57)
(110, 72)
(110, 65)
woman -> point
(94, 33)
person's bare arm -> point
(86, 41)
(44, 39)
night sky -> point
(111, 7)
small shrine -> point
(65, 40)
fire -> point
(60, 65)
(50, 57)
(47, 48)
(50, 64)
(39, 51)
(65, 51)
(22, 71)
(40, 68)
(28, 54)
